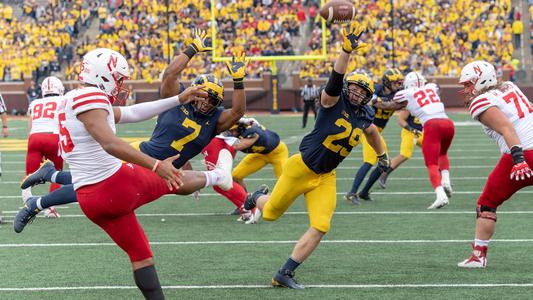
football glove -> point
(237, 66)
(521, 169)
(351, 38)
(383, 162)
(415, 131)
(198, 43)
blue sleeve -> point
(250, 132)
(367, 116)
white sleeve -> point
(400, 96)
(90, 100)
(480, 104)
(147, 110)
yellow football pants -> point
(408, 143)
(369, 155)
(319, 190)
(253, 162)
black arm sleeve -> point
(334, 85)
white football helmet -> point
(477, 75)
(414, 80)
(52, 86)
(106, 69)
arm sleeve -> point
(480, 104)
(147, 110)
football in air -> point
(338, 11)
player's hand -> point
(169, 173)
(521, 171)
(351, 37)
(415, 131)
(198, 42)
(5, 132)
(237, 66)
(192, 93)
(248, 121)
(383, 162)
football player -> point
(384, 108)
(424, 103)
(263, 146)
(342, 120)
(43, 140)
(200, 119)
(507, 117)
(412, 133)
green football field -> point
(392, 248)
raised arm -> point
(237, 69)
(170, 83)
(330, 95)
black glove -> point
(383, 162)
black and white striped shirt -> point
(3, 107)
(310, 93)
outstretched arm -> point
(330, 95)
(170, 84)
(237, 69)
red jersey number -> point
(519, 102)
(44, 110)
(64, 136)
(425, 97)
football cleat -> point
(448, 190)
(244, 215)
(25, 215)
(251, 198)
(440, 202)
(365, 197)
(38, 177)
(285, 279)
(256, 215)
(352, 198)
(235, 212)
(51, 213)
(478, 259)
(382, 180)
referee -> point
(310, 94)
(3, 116)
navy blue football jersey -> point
(268, 140)
(181, 130)
(382, 116)
(337, 130)
(415, 123)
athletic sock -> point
(63, 195)
(360, 176)
(481, 243)
(374, 176)
(213, 177)
(60, 177)
(445, 176)
(291, 264)
(147, 281)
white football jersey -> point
(514, 105)
(88, 161)
(44, 113)
(423, 103)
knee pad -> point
(486, 212)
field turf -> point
(392, 248)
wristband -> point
(190, 51)
(238, 85)
(517, 154)
(156, 165)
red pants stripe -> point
(43, 146)
(111, 205)
(499, 186)
(438, 135)
(237, 194)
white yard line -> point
(252, 286)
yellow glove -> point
(350, 38)
(237, 66)
(198, 43)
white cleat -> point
(51, 213)
(439, 203)
(255, 217)
(478, 259)
(448, 190)
(26, 193)
(224, 165)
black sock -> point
(63, 195)
(290, 264)
(147, 281)
(62, 177)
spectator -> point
(518, 28)
(33, 92)
(310, 95)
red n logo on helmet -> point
(112, 63)
(478, 71)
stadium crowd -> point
(434, 37)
